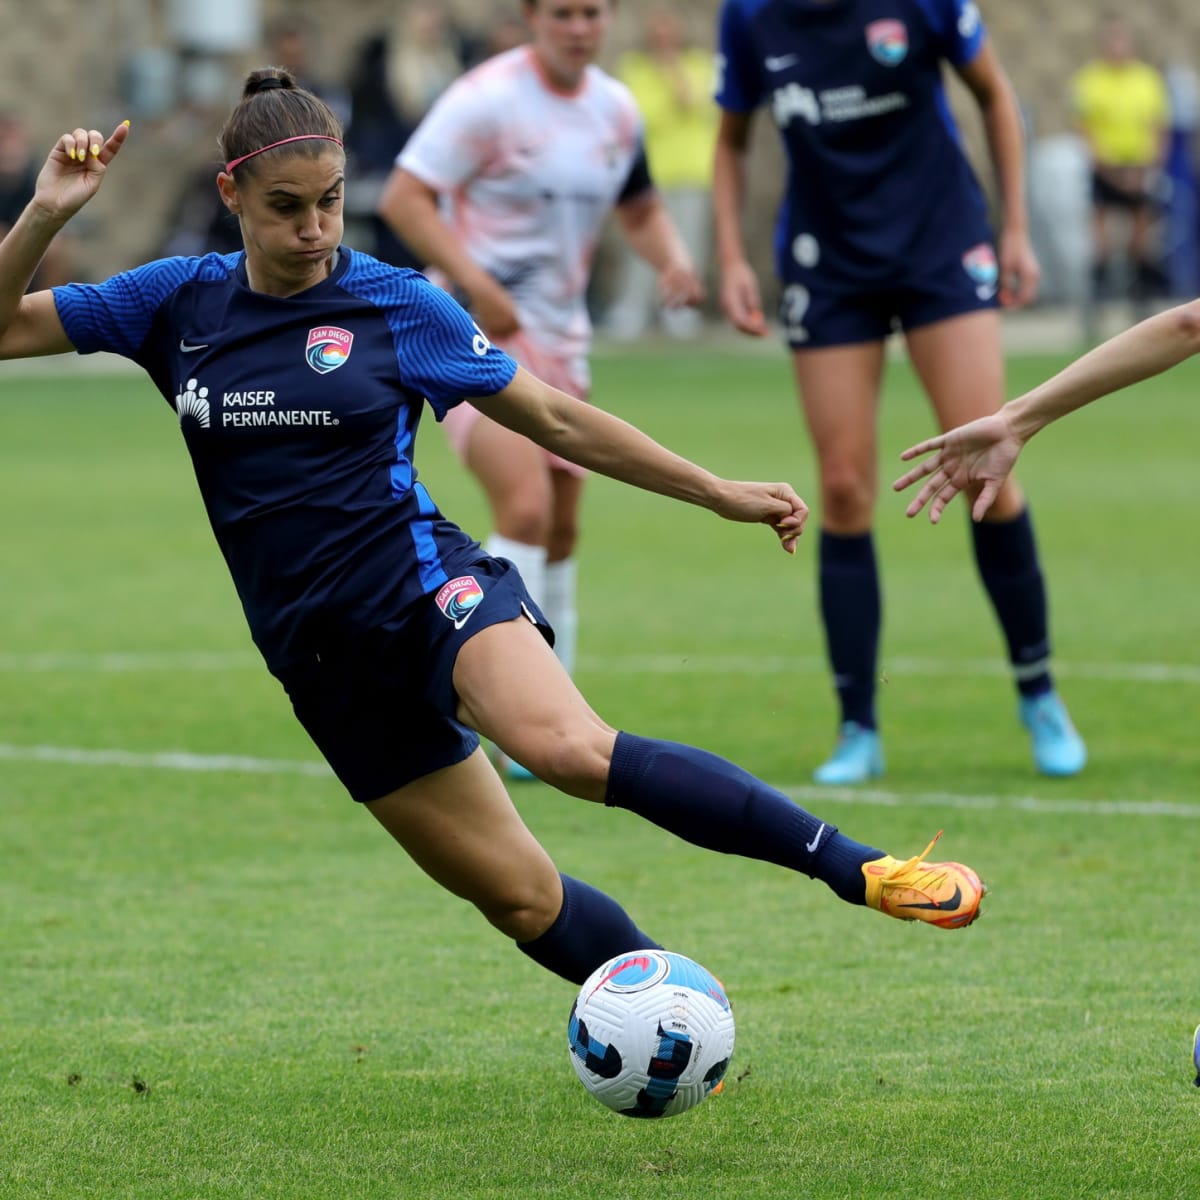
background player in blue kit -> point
(299, 370)
(883, 224)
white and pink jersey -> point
(528, 175)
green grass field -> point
(218, 978)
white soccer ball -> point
(651, 1033)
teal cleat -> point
(1057, 747)
(1196, 1053)
(857, 757)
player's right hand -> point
(741, 300)
(75, 168)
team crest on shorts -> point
(459, 598)
(328, 347)
(888, 42)
(980, 264)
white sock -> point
(560, 610)
(530, 562)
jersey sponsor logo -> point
(980, 264)
(328, 347)
(192, 403)
(459, 598)
(888, 42)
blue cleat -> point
(1196, 1053)
(857, 757)
(1057, 747)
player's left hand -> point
(1020, 274)
(679, 286)
(774, 504)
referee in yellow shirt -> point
(1124, 112)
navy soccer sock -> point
(590, 929)
(710, 802)
(1006, 554)
(852, 610)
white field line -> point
(178, 760)
(119, 662)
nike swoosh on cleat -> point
(952, 903)
(811, 847)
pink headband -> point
(301, 137)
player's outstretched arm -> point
(72, 174)
(604, 443)
(982, 453)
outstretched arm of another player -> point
(602, 442)
(981, 454)
(29, 325)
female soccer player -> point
(883, 226)
(530, 151)
(979, 456)
(298, 370)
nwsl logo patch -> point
(459, 598)
(328, 347)
(980, 265)
(888, 42)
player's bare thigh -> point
(839, 395)
(514, 691)
(960, 363)
(460, 827)
(516, 477)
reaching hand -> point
(741, 301)
(75, 168)
(774, 504)
(980, 452)
(679, 286)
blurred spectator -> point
(18, 179)
(1124, 114)
(506, 31)
(672, 82)
(288, 40)
(422, 60)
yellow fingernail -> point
(95, 151)
(126, 121)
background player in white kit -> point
(503, 189)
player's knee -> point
(524, 517)
(576, 762)
(847, 497)
(526, 909)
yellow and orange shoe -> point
(943, 894)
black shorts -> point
(380, 703)
(816, 311)
(1106, 194)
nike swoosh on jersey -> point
(953, 902)
(186, 349)
(780, 62)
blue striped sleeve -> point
(440, 351)
(739, 74)
(116, 315)
(958, 27)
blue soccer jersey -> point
(878, 187)
(301, 416)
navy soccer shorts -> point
(818, 311)
(380, 703)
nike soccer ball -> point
(650, 1033)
